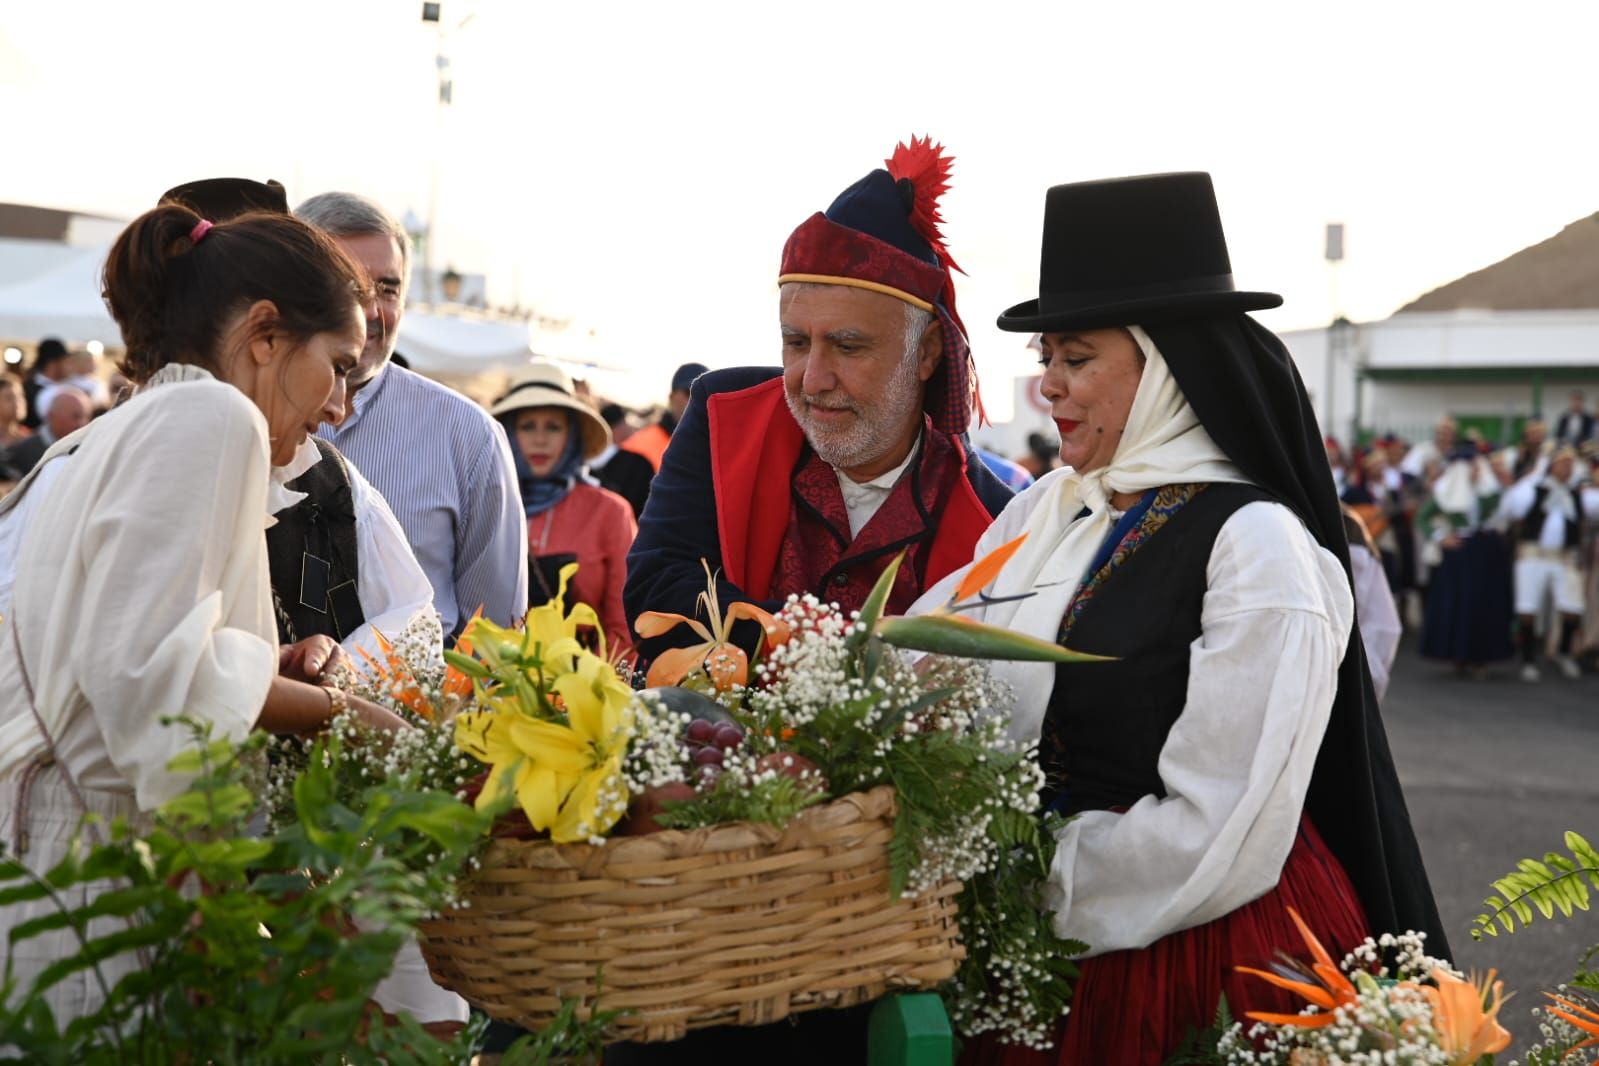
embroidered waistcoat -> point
(818, 554)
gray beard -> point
(872, 435)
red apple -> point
(649, 803)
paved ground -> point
(1496, 771)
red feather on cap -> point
(927, 167)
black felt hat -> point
(1130, 251)
(220, 199)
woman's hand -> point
(372, 716)
(308, 660)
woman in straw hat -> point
(1228, 762)
(570, 518)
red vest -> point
(756, 446)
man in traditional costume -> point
(1549, 513)
(819, 473)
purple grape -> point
(701, 731)
(727, 736)
(708, 757)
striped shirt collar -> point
(367, 394)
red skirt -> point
(1133, 1008)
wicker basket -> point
(737, 924)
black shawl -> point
(1241, 382)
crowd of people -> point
(276, 488)
(1488, 551)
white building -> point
(1491, 349)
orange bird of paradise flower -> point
(1323, 984)
(1582, 1017)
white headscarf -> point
(1163, 444)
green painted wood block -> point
(910, 1030)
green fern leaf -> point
(1584, 851)
(1535, 868)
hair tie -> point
(201, 228)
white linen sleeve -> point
(1379, 617)
(1519, 498)
(1236, 764)
(174, 618)
(393, 587)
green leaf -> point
(467, 664)
(953, 635)
(876, 602)
(1584, 851)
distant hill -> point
(1560, 273)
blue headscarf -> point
(539, 494)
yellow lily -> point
(1465, 1015)
(566, 777)
(552, 627)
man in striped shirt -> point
(440, 461)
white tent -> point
(463, 344)
(64, 301)
(61, 302)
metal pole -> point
(1334, 254)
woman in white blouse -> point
(1227, 763)
(141, 587)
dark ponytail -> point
(172, 294)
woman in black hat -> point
(1229, 763)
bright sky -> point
(637, 166)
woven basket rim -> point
(667, 844)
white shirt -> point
(1236, 765)
(1418, 457)
(1380, 629)
(1520, 497)
(863, 498)
(141, 589)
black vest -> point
(312, 555)
(1107, 721)
(1532, 525)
